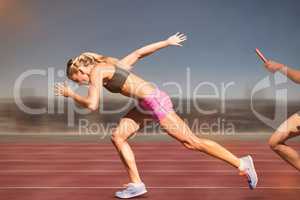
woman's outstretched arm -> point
(138, 54)
(292, 74)
(91, 101)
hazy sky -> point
(222, 36)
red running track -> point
(93, 171)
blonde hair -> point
(87, 59)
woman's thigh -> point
(288, 129)
(176, 127)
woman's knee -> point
(274, 141)
(189, 145)
(127, 126)
(195, 143)
(124, 130)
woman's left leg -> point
(288, 129)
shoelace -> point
(130, 188)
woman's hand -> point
(176, 39)
(273, 66)
(62, 89)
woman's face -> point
(80, 78)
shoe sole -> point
(135, 195)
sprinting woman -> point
(115, 75)
(291, 127)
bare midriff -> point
(137, 87)
(134, 86)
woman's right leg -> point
(128, 125)
(290, 128)
(179, 130)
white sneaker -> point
(249, 171)
(132, 190)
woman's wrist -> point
(282, 68)
(167, 42)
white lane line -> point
(117, 160)
(111, 148)
(137, 148)
(115, 153)
(143, 171)
(151, 187)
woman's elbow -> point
(138, 54)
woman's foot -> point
(247, 168)
(132, 190)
